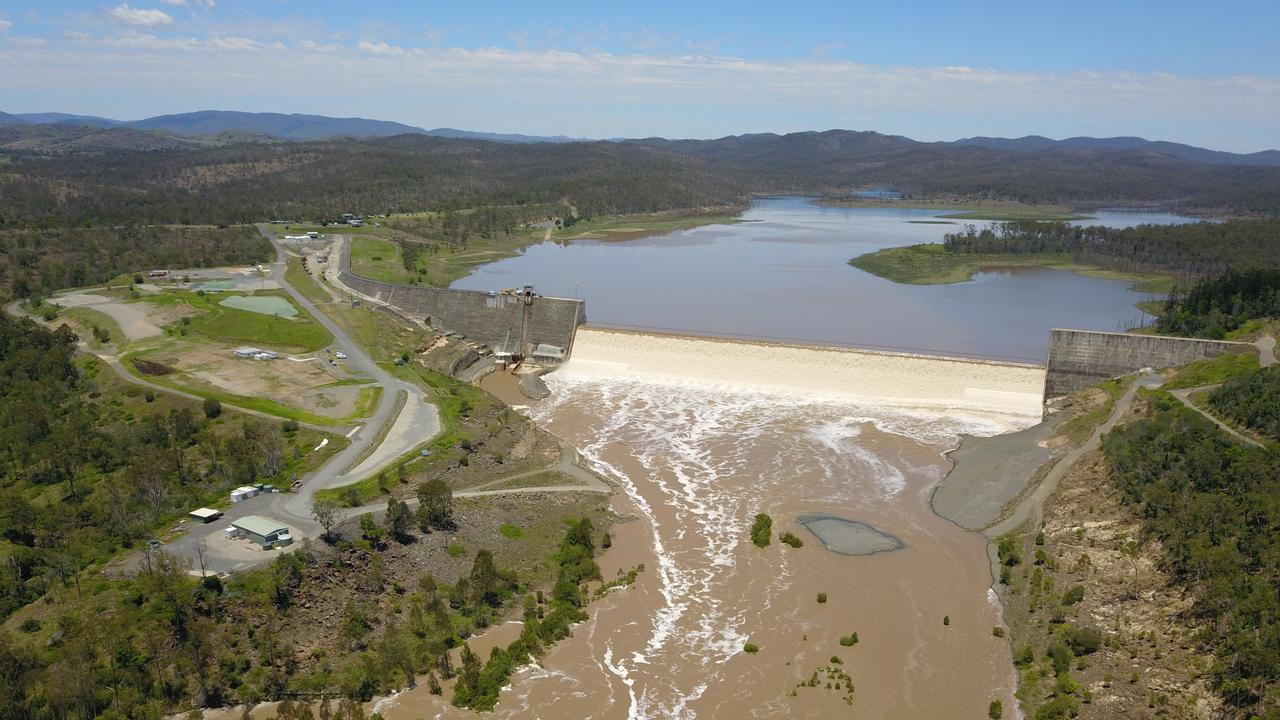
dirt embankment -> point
(1087, 575)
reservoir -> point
(783, 274)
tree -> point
(325, 512)
(398, 519)
(484, 580)
(762, 530)
(369, 528)
(435, 506)
(212, 407)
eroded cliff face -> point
(1095, 624)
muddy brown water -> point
(694, 463)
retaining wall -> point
(1081, 358)
(495, 321)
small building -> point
(313, 235)
(254, 353)
(154, 274)
(205, 515)
(243, 493)
(266, 532)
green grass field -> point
(378, 259)
(242, 327)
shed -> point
(263, 530)
(243, 493)
(205, 515)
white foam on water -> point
(694, 444)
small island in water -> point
(849, 537)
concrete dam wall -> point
(504, 323)
(1081, 358)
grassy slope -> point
(931, 264)
(378, 259)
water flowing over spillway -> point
(694, 461)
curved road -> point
(294, 509)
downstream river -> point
(700, 436)
(783, 273)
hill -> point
(1037, 143)
(836, 161)
(288, 127)
(240, 182)
(294, 127)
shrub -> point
(997, 631)
(822, 597)
(1074, 595)
(149, 396)
(790, 539)
(1085, 640)
(849, 640)
(751, 648)
(761, 530)
(946, 619)
(1007, 549)
(212, 408)
(995, 710)
(835, 660)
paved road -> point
(1266, 351)
(1031, 507)
(294, 509)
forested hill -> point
(55, 175)
(250, 182)
(823, 161)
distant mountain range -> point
(301, 128)
(1037, 143)
(277, 125)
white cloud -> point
(681, 95)
(139, 17)
(5, 25)
(206, 4)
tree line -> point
(1215, 306)
(38, 262)
(1191, 250)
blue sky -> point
(1203, 73)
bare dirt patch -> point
(303, 385)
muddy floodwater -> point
(693, 463)
(700, 436)
(783, 273)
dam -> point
(528, 325)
